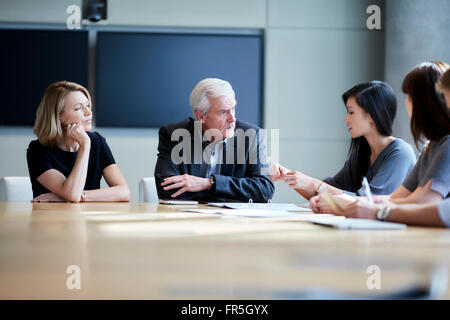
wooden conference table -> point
(151, 251)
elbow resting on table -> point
(125, 194)
(73, 198)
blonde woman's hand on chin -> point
(77, 133)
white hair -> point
(209, 88)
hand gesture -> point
(319, 205)
(295, 180)
(186, 183)
(277, 171)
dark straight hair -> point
(377, 98)
(430, 116)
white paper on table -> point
(353, 223)
(178, 202)
(148, 216)
(252, 213)
(260, 206)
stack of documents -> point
(353, 223)
(260, 206)
(258, 213)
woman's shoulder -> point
(438, 146)
(36, 150)
(36, 146)
(443, 146)
(95, 137)
(399, 143)
(401, 146)
(445, 141)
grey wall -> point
(416, 31)
(315, 50)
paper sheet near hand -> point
(260, 206)
(353, 223)
(256, 213)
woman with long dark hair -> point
(374, 153)
(429, 181)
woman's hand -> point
(48, 197)
(362, 209)
(315, 204)
(277, 171)
(319, 204)
(297, 180)
(77, 133)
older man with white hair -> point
(214, 157)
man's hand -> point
(48, 197)
(186, 183)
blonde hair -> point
(444, 82)
(48, 125)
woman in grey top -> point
(374, 152)
(423, 214)
(429, 181)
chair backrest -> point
(15, 189)
(147, 190)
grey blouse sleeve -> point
(439, 170)
(436, 168)
(444, 212)
(412, 181)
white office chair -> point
(15, 189)
(147, 190)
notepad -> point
(149, 216)
(353, 223)
(178, 202)
(256, 213)
(260, 206)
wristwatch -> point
(383, 214)
(213, 181)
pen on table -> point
(365, 184)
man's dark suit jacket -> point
(237, 181)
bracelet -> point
(383, 214)
(212, 180)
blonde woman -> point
(67, 161)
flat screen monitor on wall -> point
(145, 79)
(30, 60)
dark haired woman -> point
(374, 152)
(429, 181)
